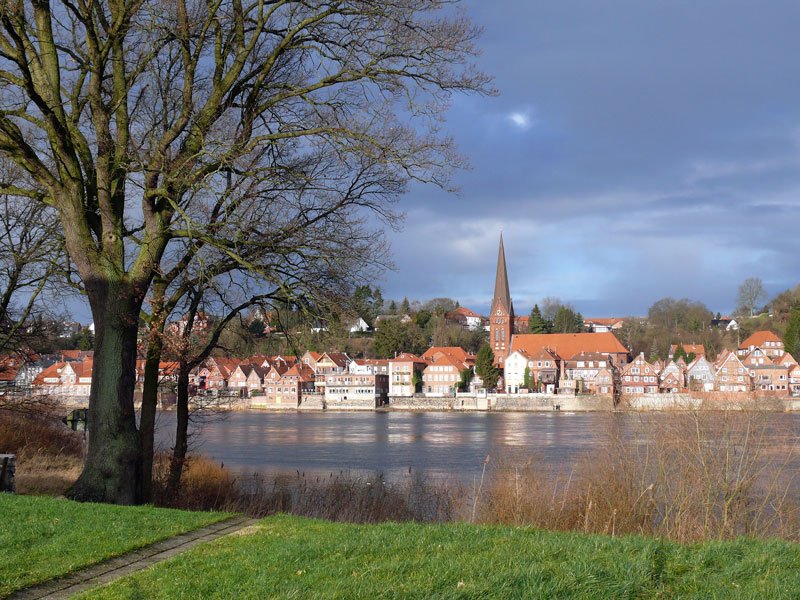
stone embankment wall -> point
(707, 401)
(312, 402)
(546, 402)
(318, 402)
(352, 404)
(504, 402)
(260, 403)
(420, 403)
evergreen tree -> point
(84, 340)
(465, 379)
(484, 367)
(526, 379)
(791, 339)
(417, 381)
(405, 306)
(654, 351)
(680, 352)
(393, 307)
(536, 323)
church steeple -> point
(501, 319)
(501, 291)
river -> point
(439, 444)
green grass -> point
(42, 538)
(289, 557)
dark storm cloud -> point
(637, 150)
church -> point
(503, 324)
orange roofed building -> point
(695, 349)
(570, 344)
(770, 343)
(455, 352)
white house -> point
(359, 325)
(514, 371)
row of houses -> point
(580, 363)
(759, 365)
(598, 364)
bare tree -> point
(30, 255)
(751, 293)
(120, 111)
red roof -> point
(340, 359)
(48, 373)
(82, 368)
(696, 349)
(456, 352)
(607, 321)
(68, 355)
(758, 339)
(568, 344)
(407, 357)
(462, 310)
(226, 365)
(302, 371)
(448, 360)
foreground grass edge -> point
(45, 538)
(285, 556)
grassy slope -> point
(290, 557)
(42, 538)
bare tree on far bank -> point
(118, 112)
(751, 293)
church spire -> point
(501, 291)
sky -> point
(637, 150)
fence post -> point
(8, 467)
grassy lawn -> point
(42, 537)
(288, 557)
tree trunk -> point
(110, 471)
(181, 432)
(147, 420)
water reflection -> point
(398, 443)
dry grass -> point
(204, 484)
(47, 475)
(692, 477)
(49, 456)
(336, 497)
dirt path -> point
(114, 568)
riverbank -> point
(703, 401)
